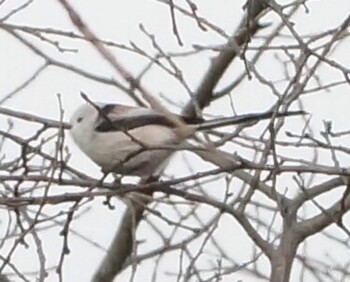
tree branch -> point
(248, 27)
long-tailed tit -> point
(124, 139)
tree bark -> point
(282, 260)
(123, 243)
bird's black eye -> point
(79, 119)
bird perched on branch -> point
(136, 141)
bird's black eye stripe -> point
(79, 119)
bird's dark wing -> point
(115, 118)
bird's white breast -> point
(111, 149)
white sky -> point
(119, 21)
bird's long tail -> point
(247, 118)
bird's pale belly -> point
(129, 158)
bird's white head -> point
(83, 122)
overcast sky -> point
(119, 21)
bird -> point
(138, 141)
